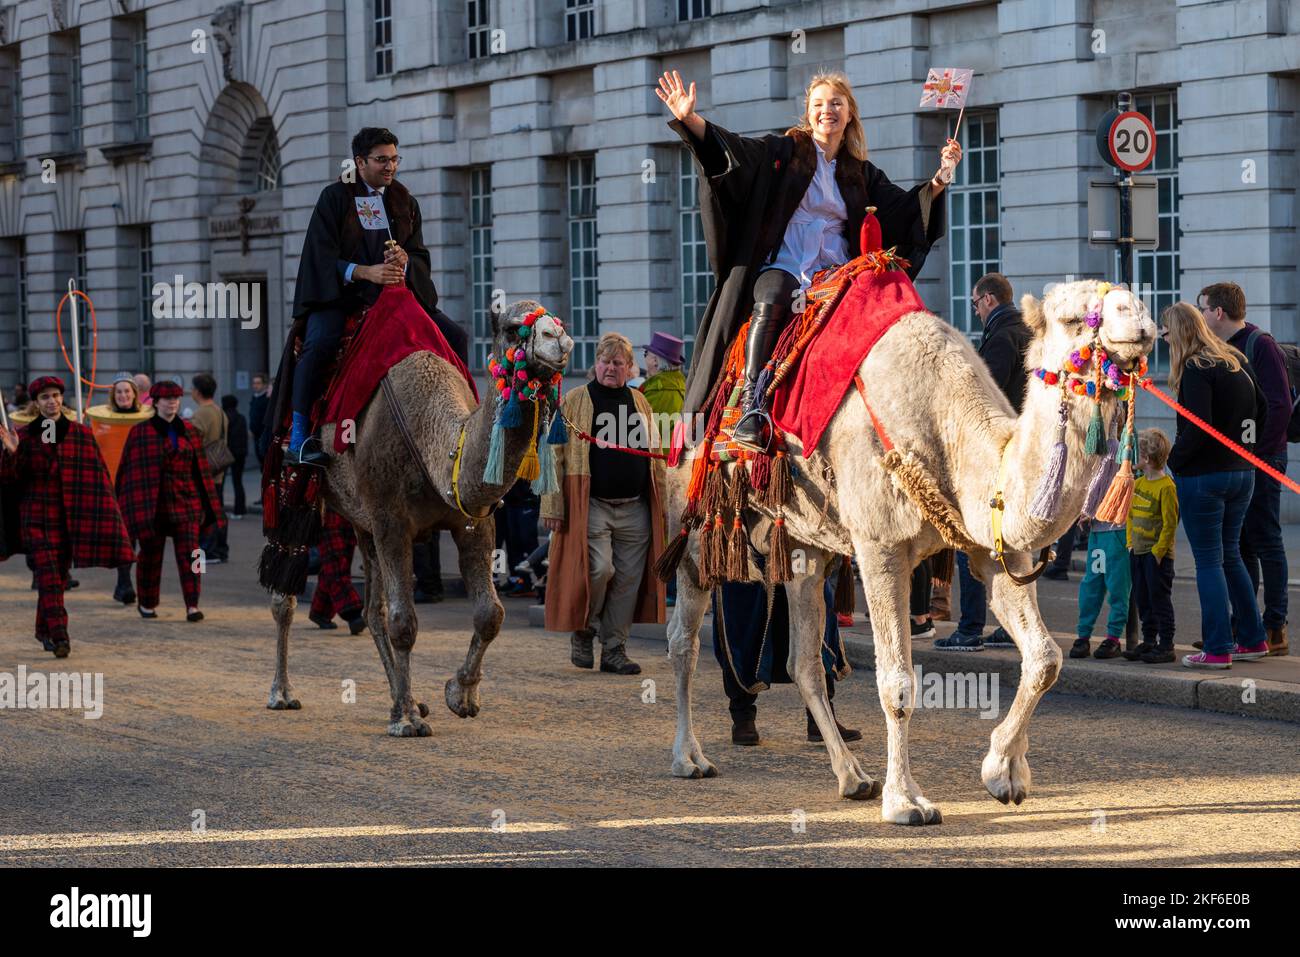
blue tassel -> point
(1047, 499)
(547, 481)
(494, 468)
(558, 435)
(512, 415)
(1095, 444)
(760, 387)
(1101, 480)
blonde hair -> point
(855, 137)
(1190, 340)
(1154, 444)
(616, 342)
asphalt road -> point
(563, 767)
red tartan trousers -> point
(334, 593)
(51, 580)
(148, 567)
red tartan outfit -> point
(165, 490)
(66, 513)
(334, 592)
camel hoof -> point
(423, 709)
(692, 771)
(900, 809)
(865, 791)
(281, 701)
(462, 701)
(1006, 778)
(413, 728)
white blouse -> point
(814, 239)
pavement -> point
(563, 767)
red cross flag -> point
(946, 89)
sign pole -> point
(1126, 212)
(76, 345)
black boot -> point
(754, 431)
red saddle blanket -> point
(805, 401)
(393, 328)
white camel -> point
(936, 401)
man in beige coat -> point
(606, 521)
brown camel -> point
(938, 403)
(380, 489)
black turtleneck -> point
(61, 423)
(170, 431)
(616, 474)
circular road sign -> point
(1131, 141)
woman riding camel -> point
(778, 209)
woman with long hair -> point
(1213, 380)
(778, 209)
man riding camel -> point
(364, 234)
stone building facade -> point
(190, 138)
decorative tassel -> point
(1119, 497)
(778, 552)
(844, 588)
(718, 549)
(705, 538)
(713, 491)
(547, 481)
(1101, 480)
(666, 566)
(760, 386)
(699, 473)
(494, 468)
(677, 444)
(512, 416)
(778, 485)
(760, 472)
(530, 468)
(1047, 498)
(1095, 443)
(739, 488)
(738, 551)
(558, 434)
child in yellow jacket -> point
(1152, 522)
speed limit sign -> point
(1130, 140)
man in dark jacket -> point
(1002, 347)
(1224, 306)
(257, 413)
(238, 442)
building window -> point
(74, 93)
(11, 107)
(1158, 272)
(144, 305)
(70, 262)
(694, 9)
(24, 321)
(697, 276)
(974, 217)
(140, 80)
(477, 28)
(383, 31)
(268, 165)
(579, 19)
(583, 314)
(480, 262)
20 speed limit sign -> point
(1131, 141)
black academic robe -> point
(749, 190)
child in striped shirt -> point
(1152, 522)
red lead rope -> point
(601, 443)
(1211, 430)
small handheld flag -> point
(370, 210)
(944, 89)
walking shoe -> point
(924, 630)
(1203, 660)
(1081, 648)
(45, 642)
(1057, 574)
(1110, 648)
(844, 621)
(1159, 655)
(848, 734)
(322, 621)
(999, 639)
(147, 612)
(1253, 653)
(356, 623)
(958, 641)
(744, 732)
(1277, 643)
(194, 615)
(72, 583)
(580, 649)
(940, 604)
(1136, 653)
(615, 661)
(61, 648)
(1198, 643)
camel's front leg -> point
(684, 649)
(474, 547)
(807, 628)
(1005, 770)
(374, 611)
(886, 577)
(393, 550)
(282, 698)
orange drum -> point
(110, 429)
(27, 415)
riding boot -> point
(752, 431)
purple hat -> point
(666, 347)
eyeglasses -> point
(393, 161)
(1164, 333)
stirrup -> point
(316, 458)
(765, 431)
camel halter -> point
(455, 481)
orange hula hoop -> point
(94, 343)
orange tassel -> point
(699, 471)
(1115, 506)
